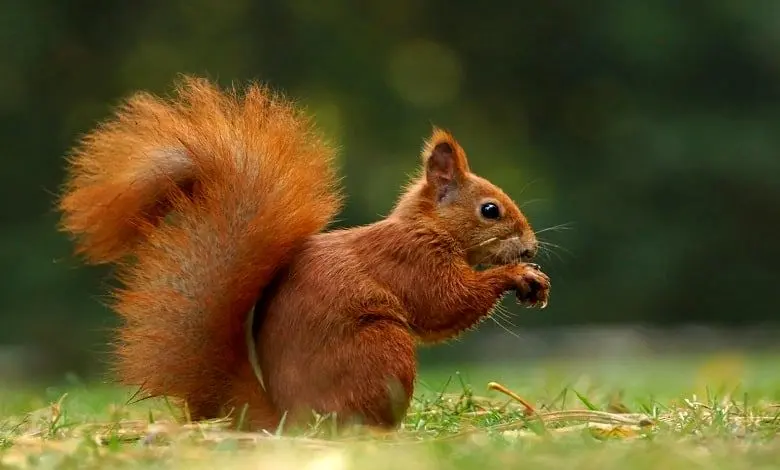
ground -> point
(714, 411)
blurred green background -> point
(649, 128)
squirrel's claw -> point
(533, 287)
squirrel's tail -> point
(200, 199)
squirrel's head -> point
(479, 216)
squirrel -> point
(235, 295)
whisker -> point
(483, 243)
(547, 251)
(549, 245)
(546, 243)
(564, 226)
(500, 325)
(504, 327)
(544, 252)
(531, 201)
(526, 186)
(505, 315)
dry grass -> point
(442, 430)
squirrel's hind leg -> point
(364, 377)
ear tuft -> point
(440, 136)
(445, 163)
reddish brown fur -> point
(250, 187)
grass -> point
(692, 412)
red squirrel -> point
(214, 204)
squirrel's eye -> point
(490, 211)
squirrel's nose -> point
(529, 253)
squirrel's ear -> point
(445, 163)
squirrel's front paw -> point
(532, 286)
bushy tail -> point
(200, 199)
